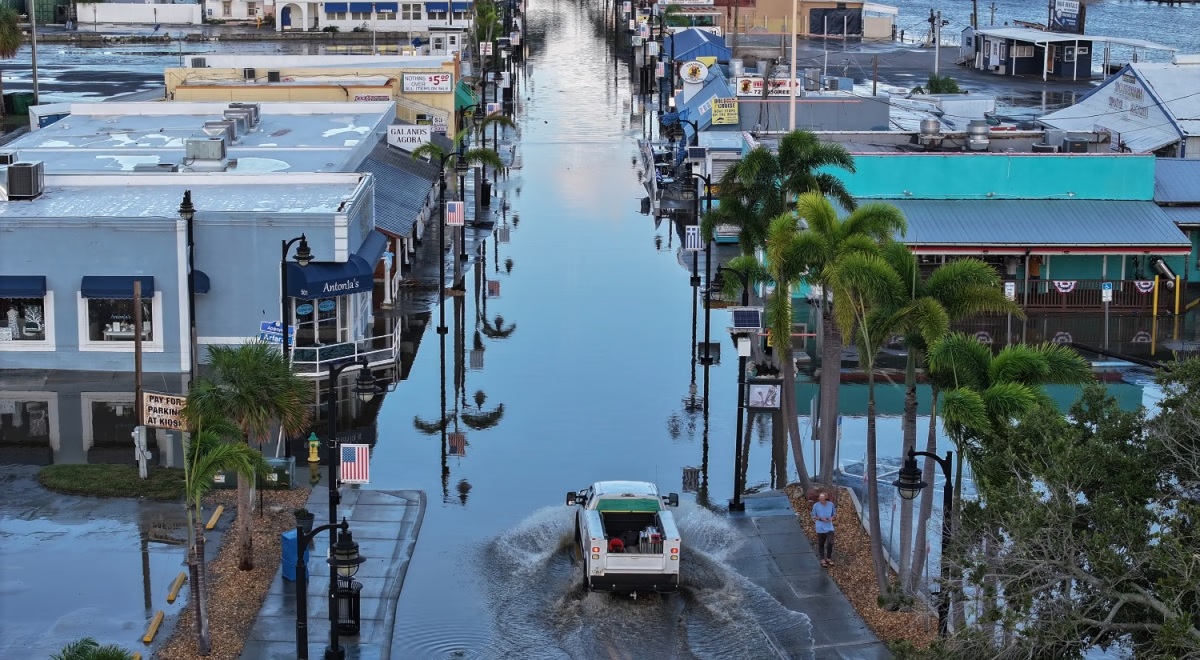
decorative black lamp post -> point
(718, 282)
(910, 484)
(706, 358)
(303, 257)
(343, 562)
(365, 388)
(188, 213)
(441, 328)
(462, 168)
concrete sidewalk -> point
(385, 525)
(778, 557)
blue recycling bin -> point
(288, 546)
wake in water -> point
(533, 585)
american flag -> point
(692, 239)
(493, 290)
(455, 214)
(458, 444)
(356, 464)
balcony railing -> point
(1075, 295)
(314, 361)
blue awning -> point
(364, 7)
(437, 6)
(335, 7)
(22, 286)
(387, 6)
(462, 6)
(325, 279)
(115, 286)
(200, 281)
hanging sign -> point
(693, 71)
(455, 214)
(724, 112)
(163, 411)
(408, 136)
(439, 83)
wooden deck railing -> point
(1078, 295)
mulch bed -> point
(235, 597)
(855, 576)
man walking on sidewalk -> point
(822, 513)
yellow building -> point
(426, 90)
(866, 20)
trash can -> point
(282, 471)
(21, 102)
(349, 607)
(288, 550)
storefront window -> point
(318, 322)
(111, 319)
(24, 319)
(24, 423)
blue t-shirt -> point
(819, 511)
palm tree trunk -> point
(779, 450)
(873, 486)
(909, 443)
(959, 619)
(199, 580)
(920, 544)
(245, 524)
(788, 410)
(831, 379)
(746, 447)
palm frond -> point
(1066, 365)
(486, 157)
(428, 151)
(11, 37)
(964, 414)
(878, 220)
(1009, 402)
(960, 361)
(483, 419)
(431, 428)
(1019, 364)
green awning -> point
(630, 505)
(464, 97)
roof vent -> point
(205, 148)
(26, 180)
(255, 111)
(221, 127)
(8, 157)
(199, 63)
(248, 74)
(273, 76)
(156, 167)
(243, 117)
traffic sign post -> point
(1106, 296)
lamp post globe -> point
(345, 558)
(304, 256)
(364, 386)
(478, 116)
(908, 482)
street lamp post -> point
(304, 257)
(365, 389)
(188, 213)
(736, 503)
(344, 560)
(910, 484)
(462, 167)
(441, 329)
(707, 358)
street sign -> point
(1106, 292)
(485, 48)
(691, 241)
(272, 333)
(163, 411)
(1010, 290)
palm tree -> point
(10, 38)
(952, 292)
(87, 648)
(253, 386)
(759, 187)
(213, 448)
(988, 394)
(827, 241)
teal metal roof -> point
(1067, 225)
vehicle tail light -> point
(594, 556)
(674, 551)
(674, 557)
(595, 549)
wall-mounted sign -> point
(408, 137)
(693, 71)
(437, 83)
(373, 97)
(326, 306)
(749, 86)
(163, 411)
(485, 48)
(304, 310)
(724, 112)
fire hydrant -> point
(313, 444)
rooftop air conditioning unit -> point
(26, 180)
(8, 157)
(219, 128)
(241, 117)
(205, 148)
(1075, 146)
(273, 76)
(255, 111)
(1043, 148)
(1055, 136)
(248, 74)
(156, 167)
(199, 63)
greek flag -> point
(691, 241)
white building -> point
(1146, 107)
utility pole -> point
(974, 14)
(137, 350)
(33, 48)
(792, 83)
(937, 44)
(993, 22)
(874, 75)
